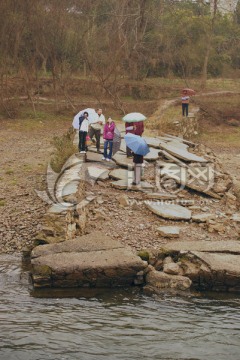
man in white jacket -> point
(83, 130)
(96, 126)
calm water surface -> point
(113, 325)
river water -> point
(113, 325)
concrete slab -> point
(203, 217)
(121, 174)
(229, 246)
(236, 217)
(93, 157)
(178, 151)
(71, 188)
(59, 208)
(169, 211)
(68, 182)
(98, 172)
(223, 263)
(126, 185)
(160, 196)
(169, 231)
(96, 241)
(199, 179)
(72, 161)
(93, 260)
(123, 161)
(152, 141)
(153, 155)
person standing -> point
(185, 103)
(136, 128)
(129, 128)
(96, 127)
(83, 130)
(108, 134)
(138, 161)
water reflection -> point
(113, 324)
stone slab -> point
(203, 217)
(67, 184)
(123, 161)
(70, 188)
(161, 196)
(93, 157)
(59, 208)
(153, 155)
(126, 185)
(72, 161)
(181, 153)
(228, 263)
(169, 211)
(152, 141)
(93, 260)
(97, 172)
(183, 176)
(121, 174)
(123, 146)
(96, 241)
(229, 246)
(169, 231)
(236, 217)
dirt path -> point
(25, 149)
(230, 157)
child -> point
(83, 130)
(108, 134)
(138, 161)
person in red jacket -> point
(136, 128)
(108, 134)
(139, 128)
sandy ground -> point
(25, 150)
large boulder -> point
(160, 280)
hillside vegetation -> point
(103, 51)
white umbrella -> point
(134, 117)
(92, 116)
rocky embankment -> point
(184, 194)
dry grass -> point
(222, 135)
(63, 149)
(165, 121)
(220, 109)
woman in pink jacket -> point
(108, 134)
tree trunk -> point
(205, 65)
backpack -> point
(81, 118)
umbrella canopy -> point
(134, 117)
(92, 116)
(188, 91)
(137, 144)
(116, 141)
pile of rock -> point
(200, 265)
(169, 159)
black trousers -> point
(184, 109)
(82, 140)
(97, 134)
